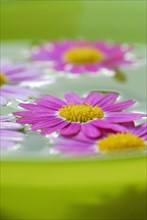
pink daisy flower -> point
(11, 78)
(82, 56)
(9, 132)
(74, 114)
(134, 139)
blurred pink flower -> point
(9, 132)
(82, 56)
(134, 139)
(11, 77)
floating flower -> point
(9, 131)
(11, 78)
(134, 139)
(74, 114)
(82, 56)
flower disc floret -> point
(120, 142)
(3, 79)
(83, 55)
(80, 112)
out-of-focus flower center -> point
(121, 142)
(3, 79)
(81, 112)
(83, 55)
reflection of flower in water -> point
(9, 131)
(74, 114)
(120, 76)
(134, 139)
(82, 56)
(11, 78)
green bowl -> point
(85, 189)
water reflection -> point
(130, 83)
(120, 76)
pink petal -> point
(59, 66)
(10, 126)
(5, 118)
(71, 129)
(50, 122)
(14, 135)
(29, 120)
(50, 105)
(33, 107)
(16, 70)
(72, 97)
(75, 69)
(123, 116)
(107, 125)
(7, 143)
(55, 128)
(91, 68)
(3, 100)
(90, 131)
(14, 90)
(37, 115)
(80, 137)
(12, 95)
(55, 100)
(75, 148)
(140, 130)
(107, 99)
(119, 106)
(144, 136)
(93, 98)
(36, 119)
(129, 125)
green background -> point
(82, 189)
(118, 20)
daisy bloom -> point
(9, 132)
(134, 139)
(11, 78)
(82, 56)
(74, 114)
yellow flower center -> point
(83, 55)
(81, 112)
(3, 79)
(121, 142)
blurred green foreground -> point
(76, 190)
